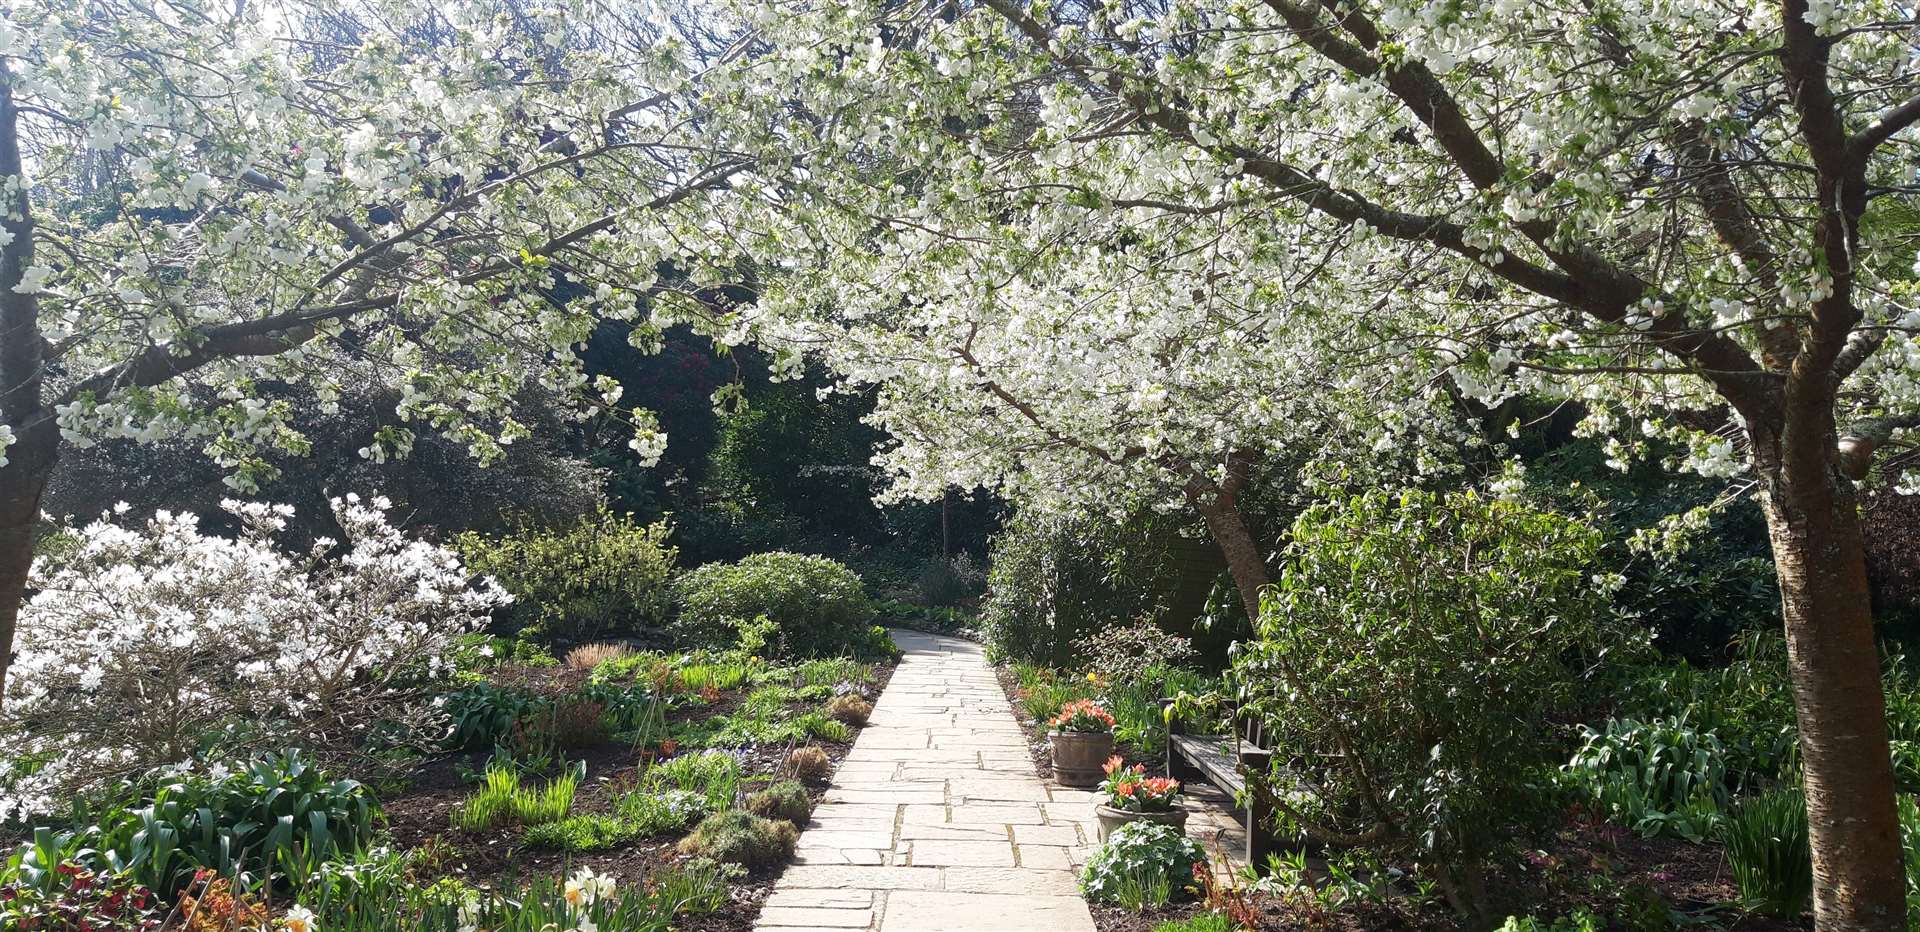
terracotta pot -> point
(1111, 818)
(1080, 758)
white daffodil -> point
(299, 919)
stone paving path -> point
(936, 822)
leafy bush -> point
(809, 764)
(603, 576)
(1141, 864)
(1580, 920)
(740, 837)
(1767, 848)
(1052, 580)
(1659, 778)
(949, 582)
(816, 606)
(1126, 654)
(1424, 697)
(1745, 704)
(484, 714)
(1748, 704)
(159, 644)
(849, 710)
(1138, 719)
(269, 823)
(68, 896)
(786, 799)
(530, 723)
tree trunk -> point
(1229, 530)
(22, 480)
(22, 361)
(1813, 520)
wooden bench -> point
(1217, 759)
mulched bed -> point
(1581, 865)
(419, 815)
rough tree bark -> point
(22, 354)
(1819, 554)
(1219, 505)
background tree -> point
(1692, 219)
(204, 197)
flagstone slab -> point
(932, 852)
(930, 911)
(918, 832)
(834, 899)
(1010, 880)
(1062, 835)
(1047, 857)
(840, 877)
(807, 916)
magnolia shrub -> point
(161, 645)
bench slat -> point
(1208, 754)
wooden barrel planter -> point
(1080, 758)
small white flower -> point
(299, 919)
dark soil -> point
(420, 816)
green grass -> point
(586, 833)
(1205, 922)
(826, 672)
(503, 799)
(723, 675)
(765, 717)
(653, 811)
(714, 776)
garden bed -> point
(1581, 865)
(1591, 867)
(420, 816)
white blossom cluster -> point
(459, 191)
(145, 643)
(1070, 241)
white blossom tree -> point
(201, 196)
(1084, 242)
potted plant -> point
(1129, 795)
(1082, 737)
